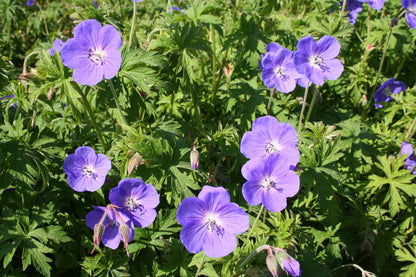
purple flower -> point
(95, 4)
(137, 200)
(194, 157)
(93, 53)
(354, 7)
(138, 0)
(278, 70)
(375, 4)
(269, 136)
(57, 46)
(174, 8)
(210, 222)
(7, 101)
(384, 92)
(30, 3)
(271, 47)
(112, 223)
(86, 170)
(410, 162)
(291, 266)
(269, 181)
(410, 7)
(317, 59)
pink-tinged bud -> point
(271, 263)
(369, 47)
(98, 234)
(124, 231)
(194, 157)
(228, 69)
(134, 162)
(50, 93)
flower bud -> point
(194, 157)
(98, 234)
(288, 263)
(271, 263)
(124, 231)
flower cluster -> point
(313, 62)
(133, 202)
(210, 222)
(272, 149)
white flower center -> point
(411, 9)
(96, 55)
(269, 184)
(89, 171)
(213, 224)
(280, 72)
(132, 203)
(272, 147)
(318, 61)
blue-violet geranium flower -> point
(279, 71)
(384, 92)
(410, 7)
(317, 59)
(269, 136)
(137, 200)
(93, 52)
(269, 182)
(354, 7)
(86, 170)
(375, 4)
(410, 163)
(113, 222)
(210, 222)
(57, 46)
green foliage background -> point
(356, 204)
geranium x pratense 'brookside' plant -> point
(93, 52)
(86, 170)
(384, 92)
(317, 59)
(210, 222)
(269, 136)
(269, 181)
(137, 200)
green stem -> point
(250, 256)
(200, 265)
(90, 112)
(214, 61)
(27, 59)
(410, 131)
(169, 6)
(315, 94)
(344, 4)
(368, 22)
(382, 61)
(363, 272)
(305, 96)
(113, 91)
(270, 100)
(196, 106)
(255, 221)
(133, 23)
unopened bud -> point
(288, 263)
(194, 157)
(98, 234)
(228, 69)
(394, 22)
(271, 263)
(50, 93)
(369, 47)
(124, 231)
(134, 162)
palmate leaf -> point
(20, 231)
(399, 183)
(405, 255)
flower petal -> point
(193, 236)
(274, 201)
(219, 245)
(328, 47)
(214, 197)
(335, 69)
(190, 209)
(233, 218)
(88, 73)
(86, 33)
(252, 192)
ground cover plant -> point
(207, 138)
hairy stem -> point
(113, 91)
(305, 96)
